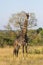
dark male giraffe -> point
(22, 39)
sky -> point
(8, 7)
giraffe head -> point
(27, 14)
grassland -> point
(34, 56)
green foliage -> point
(8, 37)
(41, 33)
(35, 38)
(38, 30)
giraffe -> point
(22, 39)
(24, 36)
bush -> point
(37, 51)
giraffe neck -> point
(24, 29)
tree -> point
(17, 20)
(8, 27)
(39, 30)
(32, 20)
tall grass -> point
(34, 56)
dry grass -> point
(6, 57)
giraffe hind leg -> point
(15, 52)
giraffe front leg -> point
(26, 48)
(23, 50)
